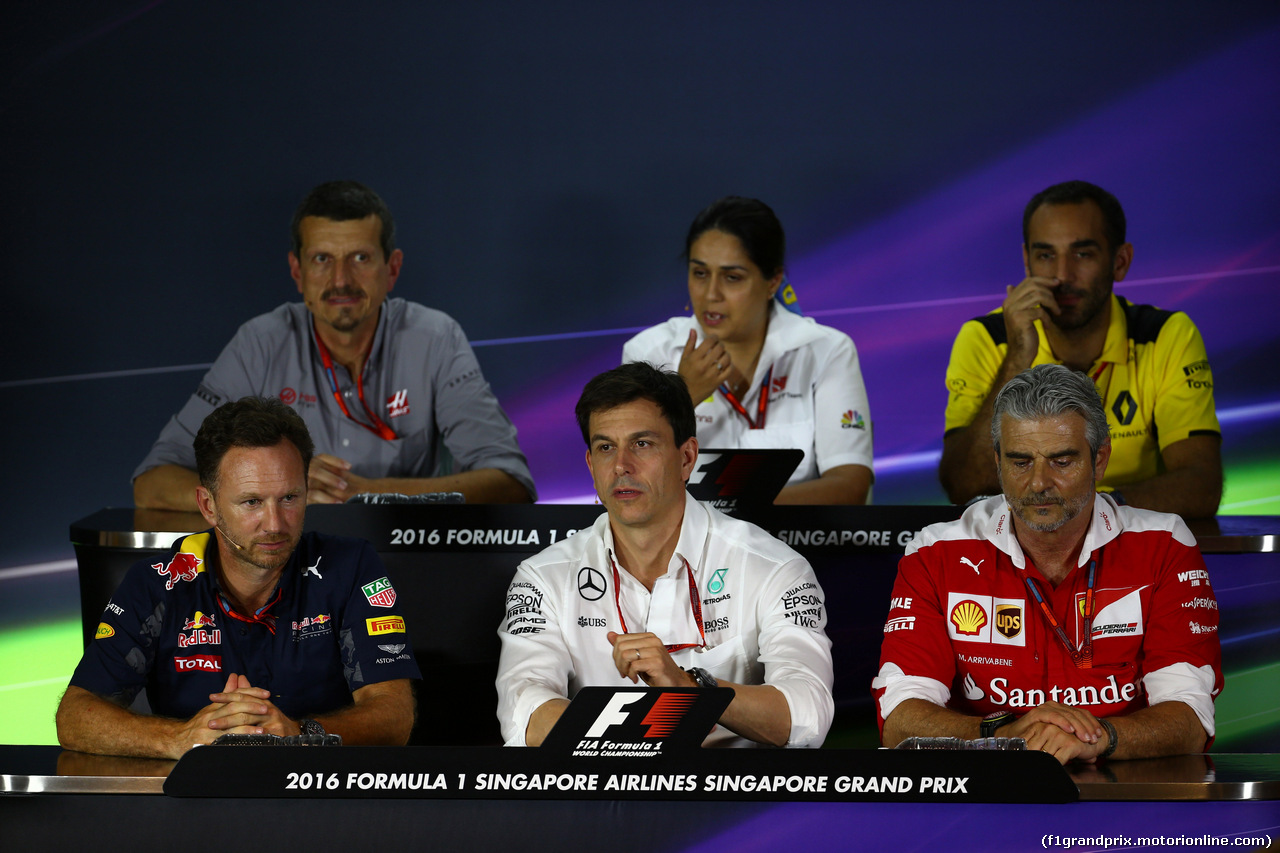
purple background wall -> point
(543, 162)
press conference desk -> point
(451, 565)
(222, 795)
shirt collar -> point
(690, 547)
(1103, 527)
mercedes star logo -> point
(590, 583)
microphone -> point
(226, 536)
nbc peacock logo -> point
(968, 617)
(852, 419)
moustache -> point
(342, 293)
(1039, 499)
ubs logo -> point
(590, 584)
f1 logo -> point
(705, 461)
(613, 715)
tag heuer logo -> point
(380, 593)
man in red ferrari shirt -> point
(1050, 613)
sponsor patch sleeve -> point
(1184, 404)
(231, 377)
(1182, 654)
(534, 664)
(473, 425)
(374, 636)
(119, 658)
(795, 650)
(916, 658)
(842, 428)
(975, 361)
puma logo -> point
(970, 564)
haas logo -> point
(183, 567)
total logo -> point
(852, 419)
(971, 618)
(198, 663)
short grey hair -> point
(1047, 391)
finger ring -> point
(637, 651)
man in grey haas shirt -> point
(384, 385)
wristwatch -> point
(702, 677)
(993, 721)
(310, 727)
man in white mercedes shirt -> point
(663, 589)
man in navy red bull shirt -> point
(1050, 612)
(251, 627)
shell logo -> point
(968, 617)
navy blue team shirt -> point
(334, 625)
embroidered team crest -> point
(398, 403)
(380, 593)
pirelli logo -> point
(385, 625)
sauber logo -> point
(183, 567)
(198, 663)
(968, 617)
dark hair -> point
(752, 222)
(248, 422)
(1078, 192)
(1048, 391)
(342, 201)
(638, 380)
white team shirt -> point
(817, 401)
(762, 608)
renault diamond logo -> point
(590, 583)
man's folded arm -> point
(166, 487)
(381, 714)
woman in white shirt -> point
(760, 375)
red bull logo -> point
(200, 620)
(183, 567)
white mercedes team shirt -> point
(763, 613)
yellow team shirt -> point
(1153, 377)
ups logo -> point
(1009, 620)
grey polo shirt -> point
(422, 379)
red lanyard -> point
(261, 616)
(379, 428)
(1082, 656)
(1097, 374)
(761, 407)
(695, 604)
